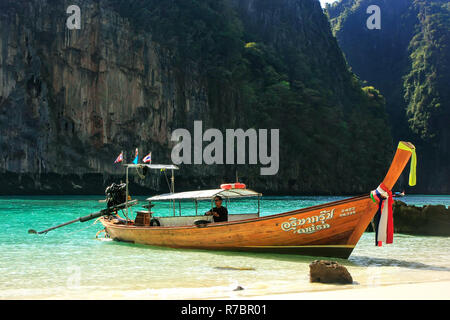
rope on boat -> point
(79, 230)
(106, 236)
(373, 224)
(167, 180)
(139, 174)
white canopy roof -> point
(152, 166)
(205, 194)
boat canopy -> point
(152, 166)
(205, 194)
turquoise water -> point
(71, 263)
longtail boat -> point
(331, 229)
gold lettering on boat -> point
(317, 221)
(347, 212)
(313, 228)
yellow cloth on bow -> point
(412, 168)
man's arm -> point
(211, 213)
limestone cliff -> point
(71, 100)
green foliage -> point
(409, 61)
(205, 31)
(426, 85)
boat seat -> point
(178, 221)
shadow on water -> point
(363, 261)
(358, 261)
(254, 255)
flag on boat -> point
(136, 157)
(384, 220)
(119, 158)
(147, 158)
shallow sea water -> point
(70, 263)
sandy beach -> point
(430, 290)
(439, 290)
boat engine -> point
(116, 194)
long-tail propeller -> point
(104, 212)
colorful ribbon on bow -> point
(413, 165)
(384, 220)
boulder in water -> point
(429, 220)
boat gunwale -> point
(227, 223)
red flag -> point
(119, 158)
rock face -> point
(71, 100)
(408, 61)
(329, 272)
(430, 220)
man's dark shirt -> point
(223, 214)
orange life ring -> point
(228, 186)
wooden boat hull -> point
(332, 229)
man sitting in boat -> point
(219, 213)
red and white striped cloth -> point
(384, 220)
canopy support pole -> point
(126, 199)
(173, 182)
(173, 191)
(259, 198)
